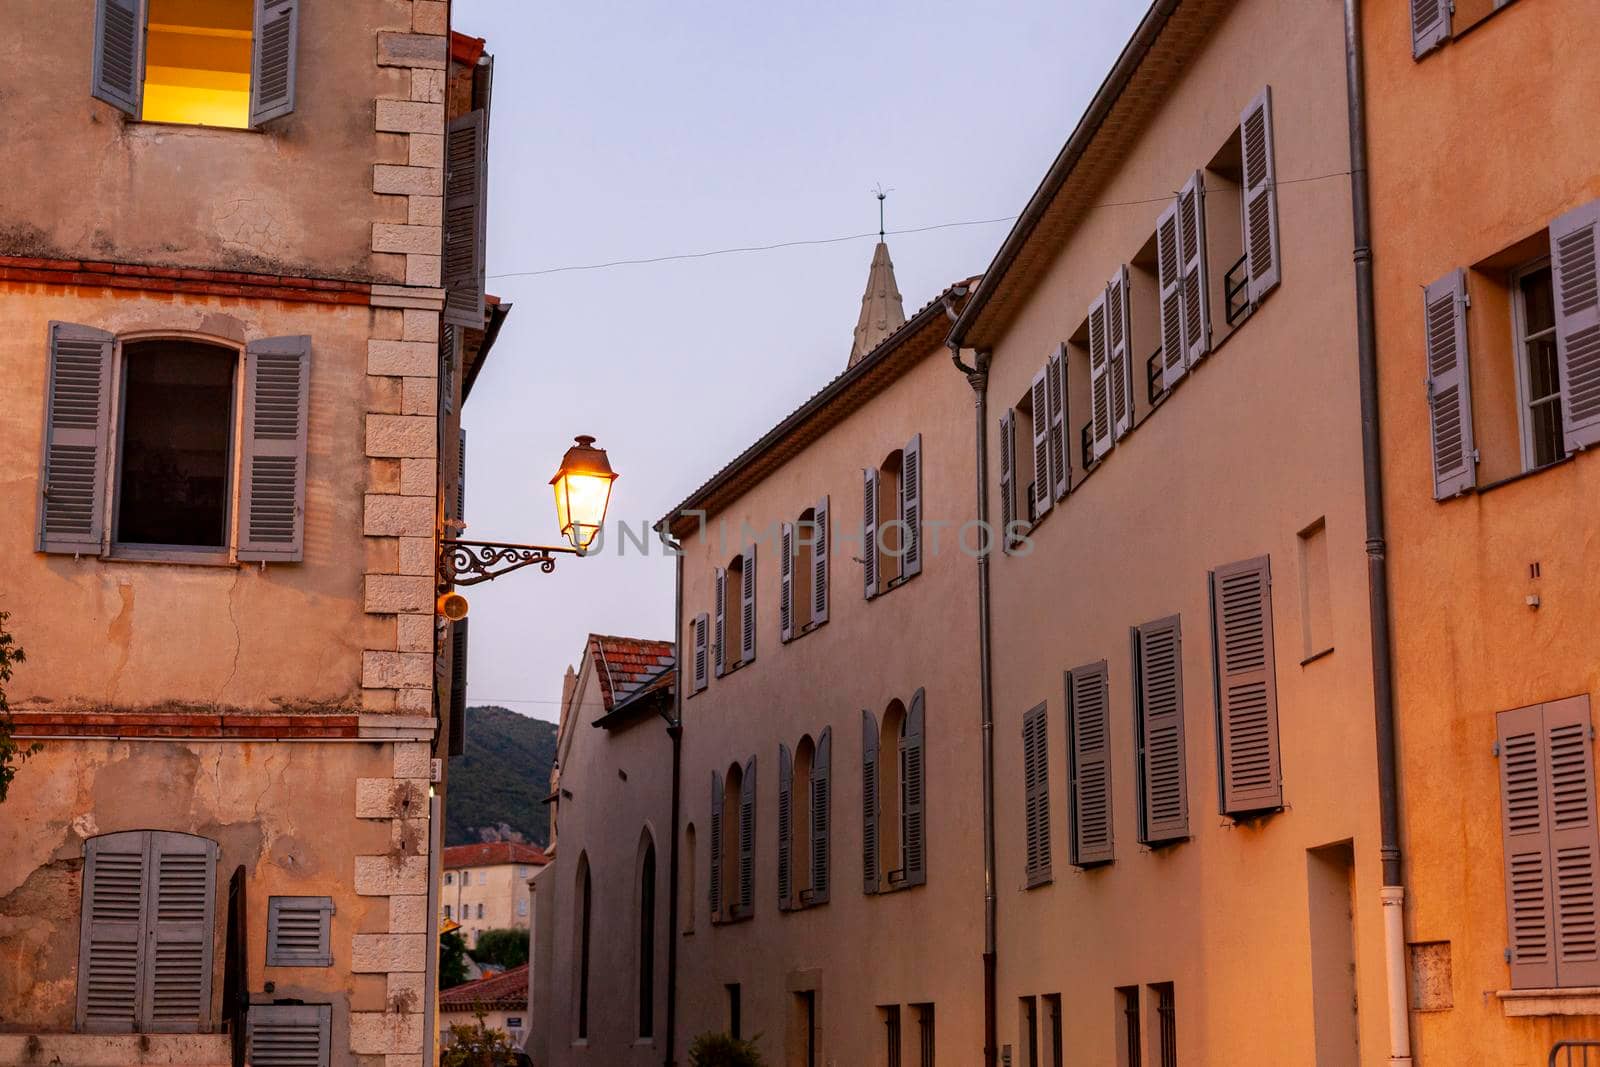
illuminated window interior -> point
(197, 62)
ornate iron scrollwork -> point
(471, 562)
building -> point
(241, 305)
(501, 999)
(1485, 284)
(486, 886)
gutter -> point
(1393, 891)
(674, 731)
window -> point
(1128, 1039)
(925, 1051)
(480, 911)
(483, 877)
(892, 519)
(647, 940)
(700, 632)
(148, 903)
(736, 611)
(1538, 375)
(1036, 795)
(522, 907)
(1089, 764)
(735, 1023)
(893, 791)
(1159, 728)
(522, 871)
(1251, 778)
(803, 1025)
(449, 878)
(891, 1034)
(585, 918)
(1433, 22)
(733, 811)
(803, 578)
(447, 911)
(1552, 847)
(1052, 1021)
(296, 1035)
(209, 64)
(1166, 1023)
(297, 931)
(1028, 1031)
(804, 799)
(690, 868)
(1316, 592)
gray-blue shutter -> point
(272, 467)
(720, 643)
(913, 793)
(1575, 271)
(747, 838)
(716, 846)
(1158, 678)
(869, 531)
(181, 920)
(819, 561)
(1430, 25)
(785, 825)
(786, 550)
(1036, 795)
(1089, 764)
(1455, 456)
(119, 54)
(298, 931)
(111, 944)
(1247, 687)
(911, 507)
(290, 1035)
(821, 813)
(1260, 197)
(869, 802)
(747, 606)
(72, 481)
(465, 202)
(273, 59)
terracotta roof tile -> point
(506, 990)
(492, 854)
(625, 664)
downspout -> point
(978, 377)
(1393, 891)
(674, 731)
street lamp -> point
(583, 490)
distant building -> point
(486, 886)
(502, 998)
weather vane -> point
(881, 193)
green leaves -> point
(12, 754)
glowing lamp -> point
(583, 489)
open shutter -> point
(1430, 25)
(786, 582)
(298, 931)
(869, 803)
(1043, 488)
(272, 490)
(1574, 842)
(1260, 196)
(290, 1035)
(1164, 777)
(720, 645)
(1118, 326)
(716, 846)
(1247, 687)
(177, 974)
(273, 59)
(785, 825)
(821, 811)
(448, 354)
(912, 785)
(1573, 244)
(869, 530)
(1169, 267)
(1036, 794)
(458, 688)
(1099, 378)
(700, 671)
(1196, 282)
(465, 179)
(461, 475)
(747, 838)
(111, 946)
(911, 506)
(819, 563)
(118, 54)
(1056, 397)
(77, 420)
(1089, 750)
(1008, 475)
(1444, 306)
(1525, 835)
(747, 606)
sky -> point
(630, 130)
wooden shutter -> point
(869, 802)
(700, 672)
(458, 688)
(1574, 842)
(747, 838)
(290, 1035)
(716, 846)
(1574, 238)
(182, 881)
(1036, 794)
(1430, 25)
(819, 563)
(1056, 398)
(786, 582)
(1099, 379)
(747, 606)
(1118, 326)
(821, 805)
(448, 334)
(77, 420)
(869, 530)
(1008, 475)
(785, 825)
(1247, 687)
(913, 791)
(1196, 282)
(461, 475)
(1163, 775)
(1260, 196)
(720, 645)
(273, 59)
(118, 54)
(465, 186)
(1043, 487)
(1525, 834)
(298, 931)
(1444, 306)
(1089, 755)
(911, 506)
(111, 946)
(272, 469)
(1169, 267)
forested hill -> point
(499, 785)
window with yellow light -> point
(197, 62)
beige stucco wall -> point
(1459, 174)
(501, 888)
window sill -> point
(1513, 478)
(894, 583)
(733, 920)
(810, 627)
(162, 125)
(1317, 655)
(1526, 1003)
(731, 668)
(1039, 881)
(196, 557)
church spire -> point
(882, 313)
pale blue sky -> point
(629, 130)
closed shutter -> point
(747, 838)
(77, 424)
(1099, 378)
(913, 791)
(1056, 398)
(1163, 775)
(821, 814)
(458, 688)
(1260, 196)
(1196, 282)
(1117, 353)
(298, 931)
(111, 953)
(716, 846)
(1574, 844)
(461, 475)
(118, 54)
(720, 644)
(272, 469)
(1430, 25)
(1043, 487)
(785, 825)
(786, 582)
(869, 803)
(819, 564)
(1573, 240)
(1525, 835)
(182, 878)
(700, 653)
(747, 606)
(1008, 475)
(1089, 754)
(290, 1035)
(1169, 267)
(869, 531)
(465, 181)
(1036, 794)
(1444, 306)
(1247, 687)
(911, 506)
(273, 59)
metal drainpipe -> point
(675, 731)
(1393, 890)
(978, 377)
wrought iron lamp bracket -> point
(471, 562)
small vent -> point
(297, 931)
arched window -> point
(585, 918)
(803, 574)
(735, 629)
(893, 836)
(804, 799)
(892, 519)
(647, 938)
(733, 836)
